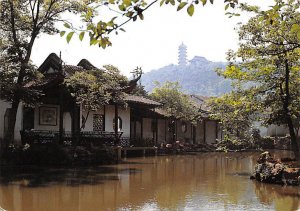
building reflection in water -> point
(208, 181)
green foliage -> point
(235, 112)
(139, 90)
(266, 66)
(177, 104)
(95, 88)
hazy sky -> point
(153, 42)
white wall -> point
(184, 136)
(125, 116)
(162, 127)
(19, 123)
(199, 133)
(210, 132)
(67, 122)
(277, 130)
(147, 132)
(271, 130)
(89, 121)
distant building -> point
(182, 55)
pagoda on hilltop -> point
(182, 55)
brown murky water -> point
(208, 181)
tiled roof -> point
(50, 79)
(141, 100)
(85, 64)
(200, 102)
(71, 69)
(54, 77)
(160, 112)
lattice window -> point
(98, 122)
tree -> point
(94, 88)
(235, 112)
(267, 64)
(21, 22)
(176, 104)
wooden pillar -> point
(156, 127)
(216, 130)
(193, 128)
(176, 130)
(104, 117)
(61, 116)
(134, 129)
(204, 131)
(142, 128)
(61, 103)
(166, 129)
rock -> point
(265, 157)
(252, 177)
(269, 170)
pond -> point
(206, 181)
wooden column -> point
(104, 117)
(204, 131)
(216, 130)
(134, 129)
(61, 116)
(176, 130)
(166, 129)
(156, 127)
(142, 128)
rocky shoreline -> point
(270, 170)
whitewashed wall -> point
(210, 132)
(277, 130)
(138, 129)
(162, 127)
(125, 116)
(89, 121)
(19, 123)
(184, 136)
(271, 130)
(220, 133)
(199, 133)
(147, 132)
(67, 122)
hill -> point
(196, 77)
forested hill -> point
(197, 77)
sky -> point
(153, 42)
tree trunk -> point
(9, 137)
(286, 104)
(294, 141)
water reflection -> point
(209, 181)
